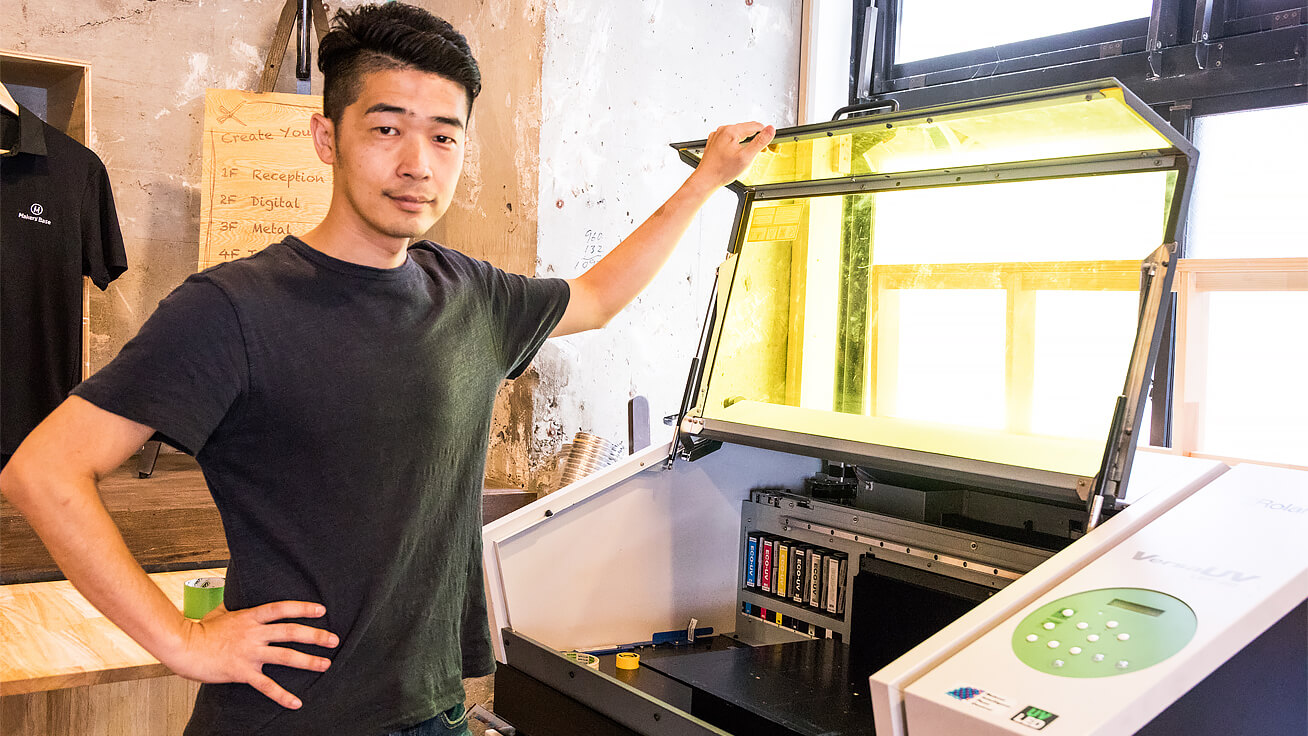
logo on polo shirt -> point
(36, 209)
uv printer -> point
(904, 495)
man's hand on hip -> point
(233, 646)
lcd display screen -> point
(1136, 607)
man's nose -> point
(415, 159)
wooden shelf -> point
(66, 85)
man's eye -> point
(443, 139)
(386, 130)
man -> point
(336, 389)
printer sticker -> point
(1033, 717)
(983, 699)
(964, 693)
(991, 702)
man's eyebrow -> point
(382, 107)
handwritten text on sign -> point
(262, 179)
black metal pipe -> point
(305, 21)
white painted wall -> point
(620, 81)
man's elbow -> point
(37, 487)
(17, 479)
(33, 475)
(597, 308)
(601, 318)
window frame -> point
(1191, 50)
(1195, 58)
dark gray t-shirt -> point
(341, 416)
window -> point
(928, 52)
(1250, 191)
(1229, 75)
(921, 374)
(975, 25)
(1244, 293)
(1253, 402)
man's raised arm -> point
(52, 480)
(602, 291)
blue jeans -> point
(453, 722)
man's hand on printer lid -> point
(730, 151)
(597, 295)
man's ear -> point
(324, 137)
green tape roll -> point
(201, 595)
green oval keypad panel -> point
(1104, 632)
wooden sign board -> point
(262, 179)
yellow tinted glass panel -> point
(1082, 124)
(993, 322)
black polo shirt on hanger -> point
(57, 223)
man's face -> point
(397, 152)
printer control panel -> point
(1104, 632)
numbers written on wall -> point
(262, 179)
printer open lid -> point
(971, 294)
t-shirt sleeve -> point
(182, 372)
(527, 311)
(103, 255)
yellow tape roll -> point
(628, 661)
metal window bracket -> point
(864, 89)
(1203, 21)
(1205, 54)
(1154, 41)
(1208, 55)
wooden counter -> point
(51, 637)
(65, 669)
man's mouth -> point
(410, 202)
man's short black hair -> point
(371, 38)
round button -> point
(1032, 637)
(1123, 637)
(1053, 643)
(1082, 625)
(1068, 612)
(1111, 624)
(1074, 650)
(1059, 663)
(1098, 658)
(1122, 664)
(1092, 637)
(1049, 626)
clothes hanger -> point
(7, 101)
(9, 106)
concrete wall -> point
(151, 61)
(150, 64)
(620, 82)
(567, 153)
